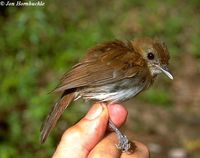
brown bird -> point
(111, 72)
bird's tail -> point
(55, 114)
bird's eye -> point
(150, 56)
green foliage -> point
(157, 97)
(38, 44)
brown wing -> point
(106, 63)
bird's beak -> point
(166, 71)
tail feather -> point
(55, 114)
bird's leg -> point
(124, 144)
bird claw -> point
(124, 144)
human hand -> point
(89, 138)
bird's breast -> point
(115, 92)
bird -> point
(111, 72)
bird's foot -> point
(124, 144)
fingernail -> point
(94, 112)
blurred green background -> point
(38, 44)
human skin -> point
(89, 138)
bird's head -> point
(155, 53)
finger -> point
(106, 148)
(117, 113)
(141, 151)
(81, 138)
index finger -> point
(80, 139)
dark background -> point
(38, 44)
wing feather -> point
(103, 64)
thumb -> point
(80, 139)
